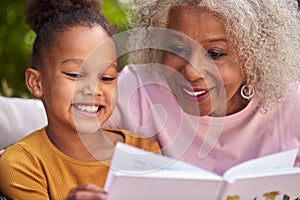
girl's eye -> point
(73, 75)
(107, 79)
(179, 49)
(213, 54)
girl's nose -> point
(92, 88)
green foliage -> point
(115, 12)
(16, 41)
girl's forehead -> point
(82, 43)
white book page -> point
(267, 164)
(134, 161)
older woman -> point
(248, 107)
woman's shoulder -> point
(288, 103)
(292, 98)
(297, 91)
(286, 110)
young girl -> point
(78, 90)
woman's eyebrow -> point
(217, 39)
(183, 37)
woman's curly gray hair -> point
(266, 32)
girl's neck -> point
(91, 147)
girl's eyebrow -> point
(112, 65)
(77, 61)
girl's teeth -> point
(194, 94)
(91, 109)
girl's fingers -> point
(90, 187)
(84, 195)
(87, 192)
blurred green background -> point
(16, 40)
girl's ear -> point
(33, 82)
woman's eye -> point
(215, 54)
(107, 79)
(73, 75)
(179, 49)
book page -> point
(138, 174)
(267, 164)
(271, 177)
(133, 160)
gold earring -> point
(247, 92)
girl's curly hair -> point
(48, 18)
(265, 32)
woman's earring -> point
(37, 92)
(247, 92)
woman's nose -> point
(191, 73)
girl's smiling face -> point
(208, 31)
(79, 80)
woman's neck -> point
(238, 103)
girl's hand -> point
(86, 192)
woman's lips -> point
(196, 94)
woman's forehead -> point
(196, 22)
(186, 14)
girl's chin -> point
(87, 126)
(82, 131)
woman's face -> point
(207, 82)
(79, 81)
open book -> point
(136, 174)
